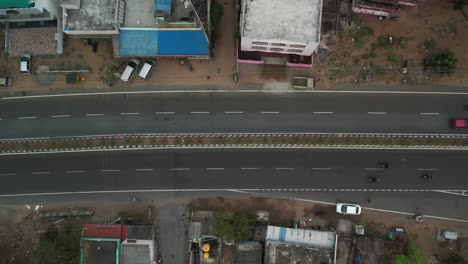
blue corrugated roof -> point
(162, 5)
(163, 43)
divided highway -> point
(228, 112)
(259, 170)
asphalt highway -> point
(249, 170)
(229, 112)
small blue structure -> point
(162, 6)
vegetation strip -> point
(233, 140)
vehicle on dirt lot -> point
(5, 81)
(147, 68)
(458, 123)
(303, 83)
(129, 71)
(348, 209)
(25, 63)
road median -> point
(277, 140)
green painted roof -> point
(14, 3)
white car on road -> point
(348, 209)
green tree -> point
(454, 259)
(59, 246)
(459, 4)
(414, 254)
(443, 62)
(235, 226)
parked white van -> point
(147, 69)
(130, 69)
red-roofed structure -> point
(105, 231)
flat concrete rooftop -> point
(92, 15)
(292, 20)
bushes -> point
(59, 246)
(235, 226)
(414, 254)
(443, 62)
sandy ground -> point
(432, 20)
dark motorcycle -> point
(384, 165)
(427, 176)
(373, 179)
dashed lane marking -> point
(323, 112)
(233, 112)
(60, 116)
(164, 113)
(199, 112)
(91, 115)
(129, 113)
(75, 171)
(429, 113)
(145, 169)
(269, 112)
(377, 113)
(7, 174)
(114, 170)
(26, 117)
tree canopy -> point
(235, 226)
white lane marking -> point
(134, 113)
(250, 168)
(195, 112)
(269, 112)
(1, 119)
(60, 116)
(377, 113)
(462, 193)
(164, 113)
(94, 114)
(427, 169)
(40, 172)
(373, 168)
(285, 168)
(144, 169)
(233, 112)
(27, 117)
(7, 174)
(75, 171)
(291, 91)
(214, 168)
(429, 113)
(180, 169)
(321, 168)
(323, 112)
(115, 170)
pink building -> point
(279, 31)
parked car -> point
(5, 81)
(458, 123)
(129, 71)
(25, 63)
(147, 69)
(348, 209)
